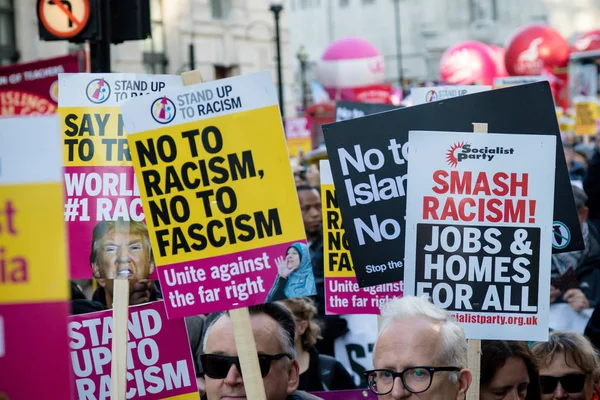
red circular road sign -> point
(64, 18)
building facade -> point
(229, 37)
(428, 27)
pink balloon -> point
(468, 63)
(497, 54)
(586, 42)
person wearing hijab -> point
(294, 274)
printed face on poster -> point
(214, 173)
(369, 158)
(479, 230)
(342, 293)
(33, 262)
(103, 211)
(159, 359)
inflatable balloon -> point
(535, 48)
(468, 63)
(497, 54)
(350, 63)
(586, 42)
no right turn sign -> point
(64, 18)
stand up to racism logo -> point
(163, 110)
(98, 91)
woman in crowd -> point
(569, 367)
(318, 372)
(508, 371)
(294, 274)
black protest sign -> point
(368, 158)
(345, 110)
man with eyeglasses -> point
(274, 330)
(420, 353)
(569, 367)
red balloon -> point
(534, 48)
(586, 42)
(497, 54)
(467, 63)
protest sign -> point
(356, 394)
(368, 158)
(34, 290)
(214, 172)
(32, 88)
(159, 359)
(422, 95)
(348, 110)
(479, 230)
(508, 81)
(298, 137)
(102, 195)
(586, 115)
(342, 293)
(354, 350)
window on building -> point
(304, 3)
(8, 44)
(220, 9)
(222, 71)
(153, 49)
(344, 3)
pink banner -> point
(343, 296)
(159, 361)
(92, 195)
(234, 281)
(34, 362)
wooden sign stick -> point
(240, 318)
(118, 373)
(474, 345)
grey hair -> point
(285, 324)
(454, 342)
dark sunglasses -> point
(217, 366)
(572, 383)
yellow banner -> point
(338, 263)
(33, 261)
(93, 136)
(586, 116)
(299, 146)
(211, 188)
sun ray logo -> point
(451, 154)
(431, 96)
(98, 91)
(163, 110)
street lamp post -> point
(276, 8)
(303, 59)
(398, 42)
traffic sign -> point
(64, 18)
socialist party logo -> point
(98, 91)
(163, 110)
(461, 151)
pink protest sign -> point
(342, 293)
(101, 194)
(159, 359)
(357, 394)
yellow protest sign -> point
(100, 185)
(586, 116)
(342, 294)
(34, 289)
(214, 175)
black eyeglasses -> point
(572, 383)
(217, 366)
(415, 379)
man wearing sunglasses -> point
(420, 353)
(273, 328)
(569, 367)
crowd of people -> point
(419, 352)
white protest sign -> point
(422, 95)
(479, 229)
